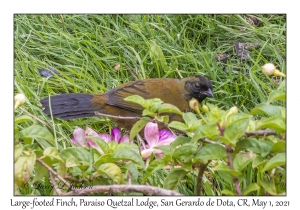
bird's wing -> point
(116, 96)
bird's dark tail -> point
(70, 106)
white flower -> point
(19, 99)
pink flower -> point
(155, 138)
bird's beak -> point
(209, 93)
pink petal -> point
(147, 152)
(90, 132)
(79, 136)
(166, 135)
(105, 137)
(125, 138)
(92, 144)
(151, 134)
(116, 134)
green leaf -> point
(40, 171)
(268, 109)
(127, 154)
(275, 123)
(209, 131)
(211, 152)
(191, 120)
(138, 126)
(113, 171)
(157, 55)
(136, 99)
(269, 186)
(72, 162)
(52, 152)
(79, 153)
(276, 95)
(178, 125)
(23, 118)
(131, 167)
(282, 85)
(101, 143)
(236, 130)
(173, 179)
(225, 168)
(235, 117)
(185, 152)
(154, 165)
(18, 151)
(277, 160)
(258, 146)
(169, 108)
(37, 131)
(105, 159)
(23, 169)
(179, 140)
(258, 161)
(228, 192)
(279, 146)
(240, 161)
(147, 112)
(250, 188)
(164, 119)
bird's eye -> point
(197, 85)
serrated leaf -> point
(250, 188)
(128, 154)
(209, 131)
(211, 152)
(113, 171)
(274, 123)
(174, 177)
(36, 132)
(136, 99)
(153, 166)
(23, 118)
(276, 95)
(236, 130)
(277, 160)
(178, 125)
(258, 146)
(138, 126)
(168, 108)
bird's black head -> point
(198, 87)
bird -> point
(177, 92)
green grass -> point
(151, 46)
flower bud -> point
(233, 110)
(194, 104)
(268, 69)
(205, 108)
(279, 73)
(19, 99)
